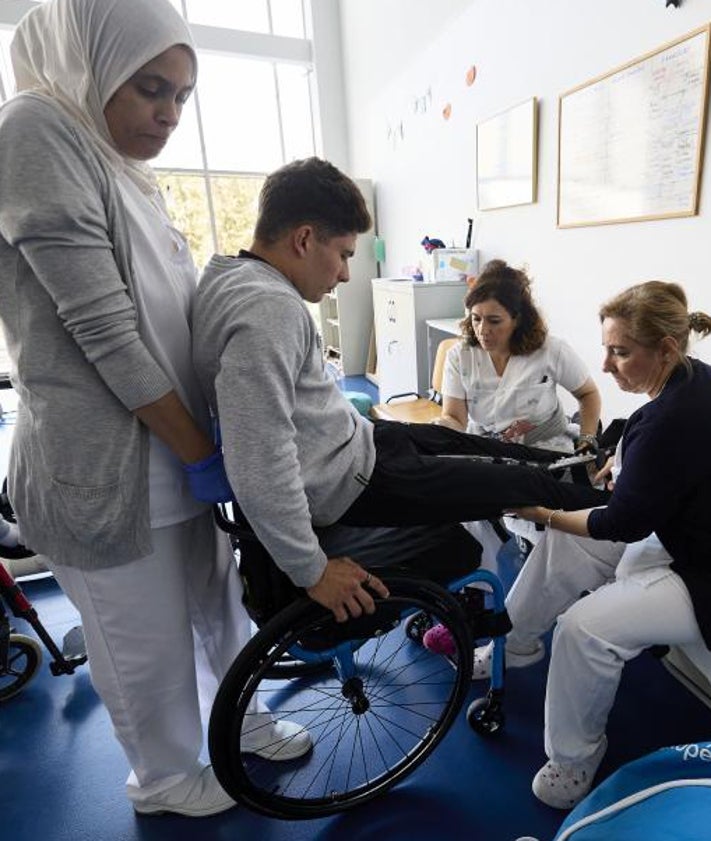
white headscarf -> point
(79, 52)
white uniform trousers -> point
(489, 540)
(161, 633)
(637, 601)
(491, 543)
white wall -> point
(328, 88)
(396, 51)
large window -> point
(232, 204)
(252, 112)
(276, 17)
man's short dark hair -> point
(313, 192)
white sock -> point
(523, 647)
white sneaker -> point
(196, 798)
(11, 534)
(24, 566)
(564, 786)
(483, 655)
(278, 740)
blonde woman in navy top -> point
(646, 555)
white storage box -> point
(454, 263)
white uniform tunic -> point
(167, 279)
(525, 391)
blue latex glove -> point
(208, 480)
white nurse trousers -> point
(636, 601)
(161, 632)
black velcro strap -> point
(490, 624)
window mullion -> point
(206, 173)
(280, 119)
(203, 157)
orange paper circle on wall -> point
(471, 75)
(447, 111)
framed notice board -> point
(506, 157)
(630, 143)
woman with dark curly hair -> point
(501, 381)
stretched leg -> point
(433, 440)
(410, 485)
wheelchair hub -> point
(352, 690)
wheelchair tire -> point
(486, 716)
(23, 661)
(361, 746)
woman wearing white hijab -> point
(112, 432)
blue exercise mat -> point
(665, 796)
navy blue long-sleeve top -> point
(665, 483)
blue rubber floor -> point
(62, 773)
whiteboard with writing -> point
(631, 141)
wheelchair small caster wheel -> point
(417, 625)
(486, 717)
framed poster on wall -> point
(630, 142)
(506, 157)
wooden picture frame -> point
(507, 157)
(630, 142)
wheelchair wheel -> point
(370, 728)
(23, 660)
(486, 716)
(291, 667)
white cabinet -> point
(346, 314)
(401, 309)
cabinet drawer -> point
(395, 341)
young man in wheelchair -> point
(298, 455)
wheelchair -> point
(21, 655)
(374, 700)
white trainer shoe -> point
(277, 741)
(197, 798)
(514, 659)
(564, 786)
